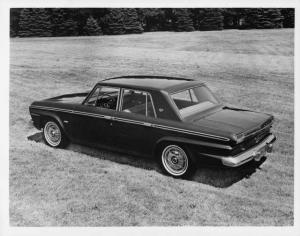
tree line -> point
(52, 22)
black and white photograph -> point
(142, 116)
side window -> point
(93, 98)
(137, 102)
(104, 97)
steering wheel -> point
(110, 100)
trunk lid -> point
(233, 121)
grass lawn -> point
(82, 186)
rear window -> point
(194, 100)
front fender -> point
(43, 115)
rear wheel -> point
(176, 161)
(54, 135)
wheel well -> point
(186, 147)
(46, 118)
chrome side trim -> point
(164, 127)
(128, 121)
(190, 132)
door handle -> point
(107, 117)
(147, 124)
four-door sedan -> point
(176, 120)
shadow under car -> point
(208, 172)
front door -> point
(92, 121)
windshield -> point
(194, 100)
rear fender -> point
(188, 144)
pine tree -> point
(131, 21)
(231, 17)
(113, 22)
(208, 19)
(121, 21)
(262, 18)
(183, 21)
(274, 14)
(250, 18)
(269, 18)
(34, 22)
(92, 27)
(288, 17)
(25, 22)
(14, 21)
(63, 23)
(153, 19)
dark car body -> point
(234, 136)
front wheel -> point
(54, 135)
(176, 162)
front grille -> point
(251, 141)
(262, 129)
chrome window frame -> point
(101, 86)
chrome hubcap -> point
(52, 133)
(174, 160)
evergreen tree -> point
(183, 21)
(113, 22)
(131, 21)
(231, 17)
(41, 22)
(121, 21)
(63, 23)
(250, 18)
(153, 19)
(208, 19)
(26, 19)
(80, 16)
(275, 17)
(92, 27)
(14, 21)
(262, 18)
(34, 22)
(288, 17)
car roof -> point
(169, 84)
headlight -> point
(239, 137)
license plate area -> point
(260, 153)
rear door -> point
(132, 127)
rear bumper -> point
(256, 153)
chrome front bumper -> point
(255, 153)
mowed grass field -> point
(81, 186)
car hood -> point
(73, 98)
(233, 121)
